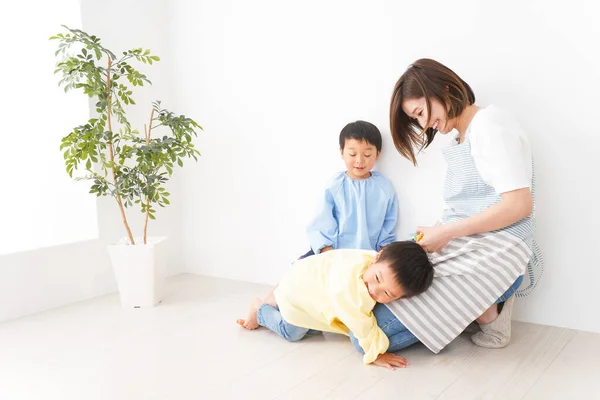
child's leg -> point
(307, 254)
(250, 322)
(270, 317)
(266, 313)
(270, 299)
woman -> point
(484, 242)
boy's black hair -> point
(411, 266)
(361, 130)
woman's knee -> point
(511, 290)
(387, 321)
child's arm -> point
(388, 230)
(353, 307)
(364, 327)
(391, 360)
(323, 231)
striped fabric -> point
(471, 273)
(466, 194)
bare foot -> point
(251, 322)
(270, 299)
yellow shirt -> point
(326, 292)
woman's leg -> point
(492, 313)
(496, 333)
(398, 335)
(511, 290)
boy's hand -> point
(390, 360)
(324, 249)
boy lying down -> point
(336, 291)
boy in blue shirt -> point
(359, 209)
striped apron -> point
(471, 272)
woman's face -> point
(417, 109)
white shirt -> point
(500, 149)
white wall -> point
(36, 280)
(274, 82)
(73, 213)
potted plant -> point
(121, 162)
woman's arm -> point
(514, 206)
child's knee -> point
(294, 338)
(294, 334)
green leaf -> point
(141, 169)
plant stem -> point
(111, 153)
(147, 186)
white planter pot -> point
(140, 271)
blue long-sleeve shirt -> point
(355, 214)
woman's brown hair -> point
(429, 79)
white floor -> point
(189, 347)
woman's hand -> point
(390, 360)
(435, 238)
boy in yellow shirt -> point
(336, 291)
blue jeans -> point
(270, 317)
(511, 290)
(399, 336)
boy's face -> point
(381, 283)
(359, 157)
